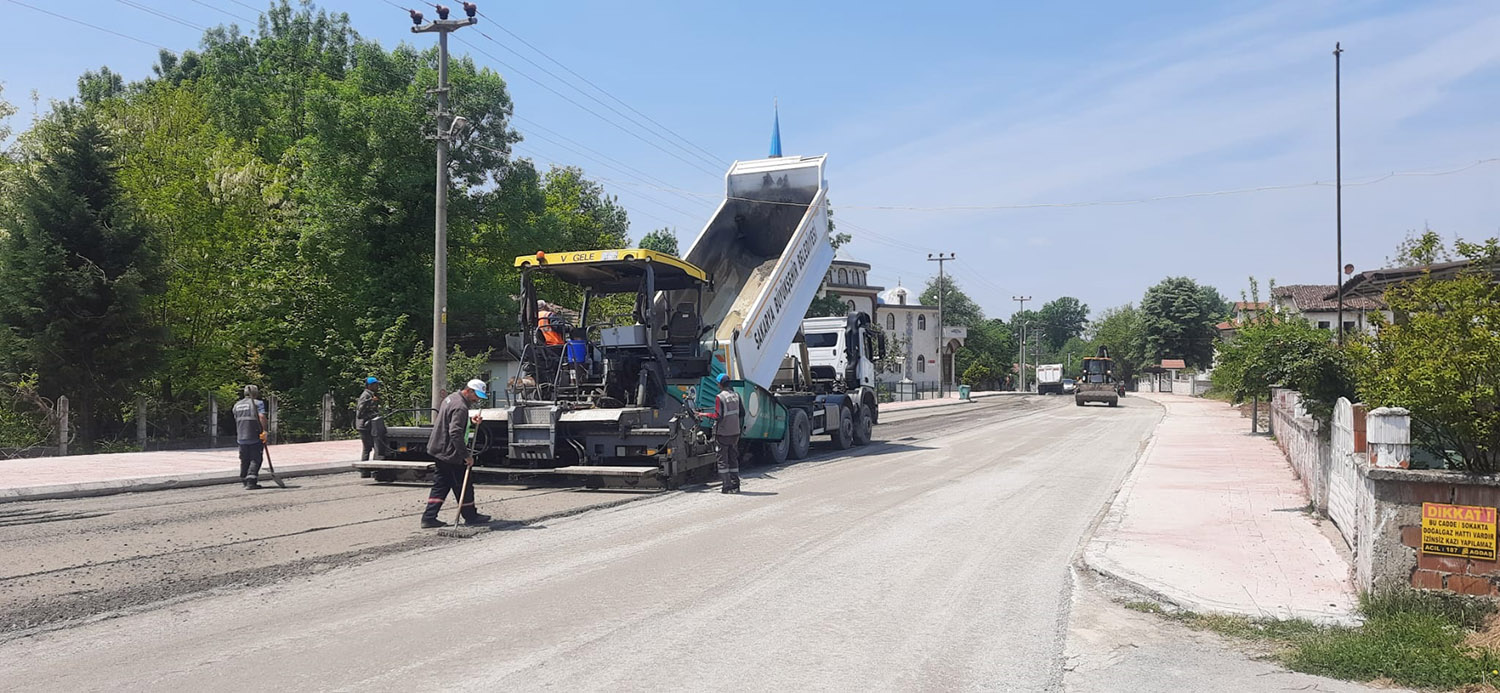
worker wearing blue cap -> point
(728, 416)
(369, 422)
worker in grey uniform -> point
(250, 433)
(728, 417)
(447, 445)
(368, 421)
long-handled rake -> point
(271, 467)
(458, 531)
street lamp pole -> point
(1338, 186)
(1021, 351)
(941, 258)
(445, 126)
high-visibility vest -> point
(550, 335)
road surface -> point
(936, 558)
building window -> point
(1348, 325)
(1324, 325)
(921, 363)
(890, 321)
(843, 276)
(859, 277)
(921, 322)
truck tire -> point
(775, 451)
(1078, 402)
(799, 434)
(1114, 402)
(842, 435)
(864, 425)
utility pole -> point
(1021, 352)
(1338, 186)
(941, 258)
(445, 131)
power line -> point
(637, 194)
(96, 27)
(709, 159)
(248, 7)
(644, 177)
(586, 109)
(161, 14)
(220, 9)
(602, 90)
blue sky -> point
(946, 105)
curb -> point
(160, 482)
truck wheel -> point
(1114, 402)
(799, 434)
(864, 425)
(775, 451)
(843, 434)
(1078, 402)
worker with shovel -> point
(250, 433)
(448, 446)
(369, 422)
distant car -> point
(1069, 385)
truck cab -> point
(841, 352)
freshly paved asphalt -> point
(937, 558)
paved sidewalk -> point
(1212, 519)
(96, 475)
(948, 401)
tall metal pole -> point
(1338, 186)
(1021, 351)
(941, 258)
(443, 26)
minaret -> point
(776, 130)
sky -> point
(986, 129)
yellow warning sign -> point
(1458, 530)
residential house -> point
(1318, 304)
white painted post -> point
(1388, 437)
(271, 415)
(140, 421)
(213, 420)
(327, 416)
(62, 426)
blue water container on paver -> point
(963, 391)
(575, 351)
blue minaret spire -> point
(776, 130)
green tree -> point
(1122, 331)
(76, 273)
(828, 305)
(978, 375)
(662, 240)
(1439, 358)
(1062, 319)
(1178, 318)
(989, 344)
(1272, 350)
(958, 308)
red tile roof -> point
(1171, 364)
(1314, 297)
(1250, 305)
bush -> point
(1439, 359)
(1273, 350)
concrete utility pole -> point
(1338, 187)
(1021, 347)
(446, 128)
(941, 258)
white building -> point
(916, 332)
(849, 278)
(1318, 304)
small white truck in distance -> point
(1049, 377)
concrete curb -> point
(160, 482)
(1095, 559)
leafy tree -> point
(830, 304)
(978, 375)
(1425, 248)
(1178, 318)
(6, 111)
(958, 308)
(96, 87)
(662, 240)
(1121, 330)
(76, 273)
(1439, 358)
(990, 344)
(1275, 350)
(1062, 319)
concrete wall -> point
(1387, 496)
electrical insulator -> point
(416, 17)
(442, 11)
(471, 9)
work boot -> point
(433, 523)
(477, 519)
(726, 486)
(252, 486)
(734, 478)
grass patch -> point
(1416, 639)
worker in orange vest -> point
(550, 335)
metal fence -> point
(904, 392)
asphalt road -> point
(935, 559)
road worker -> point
(250, 433)
(448, 445)
(551, 334)
(728, 417)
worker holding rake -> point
(448, 446)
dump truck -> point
(1049, 377)
(612, 397)
(1097, 383)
